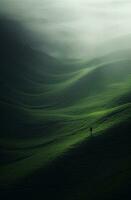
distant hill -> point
(47, 107)
(23, 73)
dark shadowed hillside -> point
(47, 108)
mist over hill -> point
(48, 105)
(71, 29)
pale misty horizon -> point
(71, 28)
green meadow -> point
(47, 108)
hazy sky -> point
(71, 27)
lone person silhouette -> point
(91, 130)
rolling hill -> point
(47, 107)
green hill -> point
(47, 107)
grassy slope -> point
(47, 109)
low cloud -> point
(71, 27)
